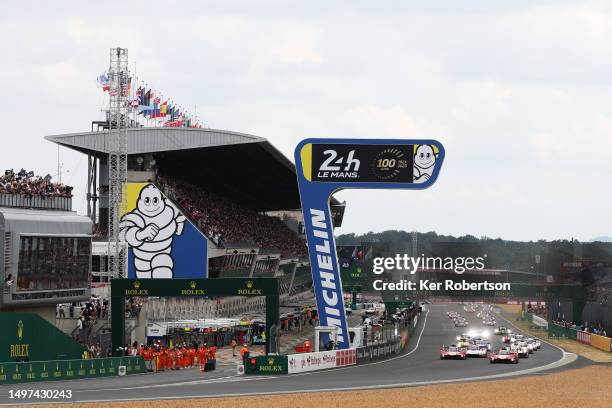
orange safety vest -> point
(243, 351)
(201, 355)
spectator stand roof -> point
(245, 168)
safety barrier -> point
(601, 342)
(299, 363)
(54, 370)
(266, 365)
(561, 332)
(378, 351)
(583, 337)
(538, 322)
(303, 362)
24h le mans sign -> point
(325, 166)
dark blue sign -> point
(325, 166)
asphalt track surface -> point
(420, 365)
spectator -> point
(26, 184)
(224, 221)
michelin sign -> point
(162, 242)
(325, 166)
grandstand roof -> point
(151, 140)
(246, 168)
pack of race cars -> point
(475, 344)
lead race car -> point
(504, 355)
(452, 352)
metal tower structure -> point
(415, 244)
(119, 80)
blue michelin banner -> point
(162, 242)
(325, 166)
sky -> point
(518, 92)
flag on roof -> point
(103, 81)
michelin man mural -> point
(149, 230)
(424, 162)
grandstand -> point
(238, 190)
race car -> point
(522, 351)
(525, 343)
(506, 338)
(488, 322)
(483, 344)
(463, 342)
(534, 343)
(503, 356)
(461, 323)
(476, 351)
(502, 330)
(452, 352)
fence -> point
(47, 203)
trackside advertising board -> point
(378, 351)
(300, 363)
(325, 166)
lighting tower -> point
(119, 81)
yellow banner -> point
(600, 342)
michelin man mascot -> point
(424, 163)
(149, 230)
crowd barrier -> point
(54, 370)
(583, 337)
(600, 342)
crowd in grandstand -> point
(26, 183)
(227, 222)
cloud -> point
(517, 92)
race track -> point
(420, 365)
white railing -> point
(47, 203)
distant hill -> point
(603, 238)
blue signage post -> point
(325, 166)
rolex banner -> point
(29, 337)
